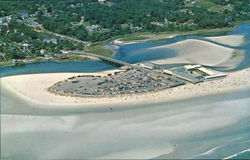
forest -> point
(94, 20)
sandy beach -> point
(149, 37)
(33, 88)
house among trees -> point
(24, 16)
(93, 28)
(42, 51)
(48, 57)
(82, 19)
(62, 56)
(5, 20)
(25, 46)
(107, 3)
(50, 40)
(14, 61)
(101, 1)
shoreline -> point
(158, 36)
(22, 85)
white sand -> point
(149, 37)
(232, 40)
(33, 88)
(201, 52)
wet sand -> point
(176, 130)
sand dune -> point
(201, 52)
(232, 40)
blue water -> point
(54, 67)
(131, 53)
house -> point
(135, 29)
(82, 19)
(93, 28)
(50, 40)
(74, 6)
(48, 57)
(110, 4)
(101, 1)
(42, 51)
(62, 56)
(25, 46)
(65, 52)
(147, 65)
(3, 20)
(14, 61)
(24, 16)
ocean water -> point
(204, 127)
(240, 155)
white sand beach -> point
(148, 37)
(33, 88)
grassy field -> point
(72, 57)
(5, 63)
(99, 49)
(133, 38)
(159, 40)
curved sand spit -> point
(202, 52)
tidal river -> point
(215, 126)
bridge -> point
(103, 58)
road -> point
(108, 59)
(34, 24)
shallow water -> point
(54, 67)
(184, 129)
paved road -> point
(109, 59)
(34, 24)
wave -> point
(238, 154)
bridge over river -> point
(105, 59)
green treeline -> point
(123, 16)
